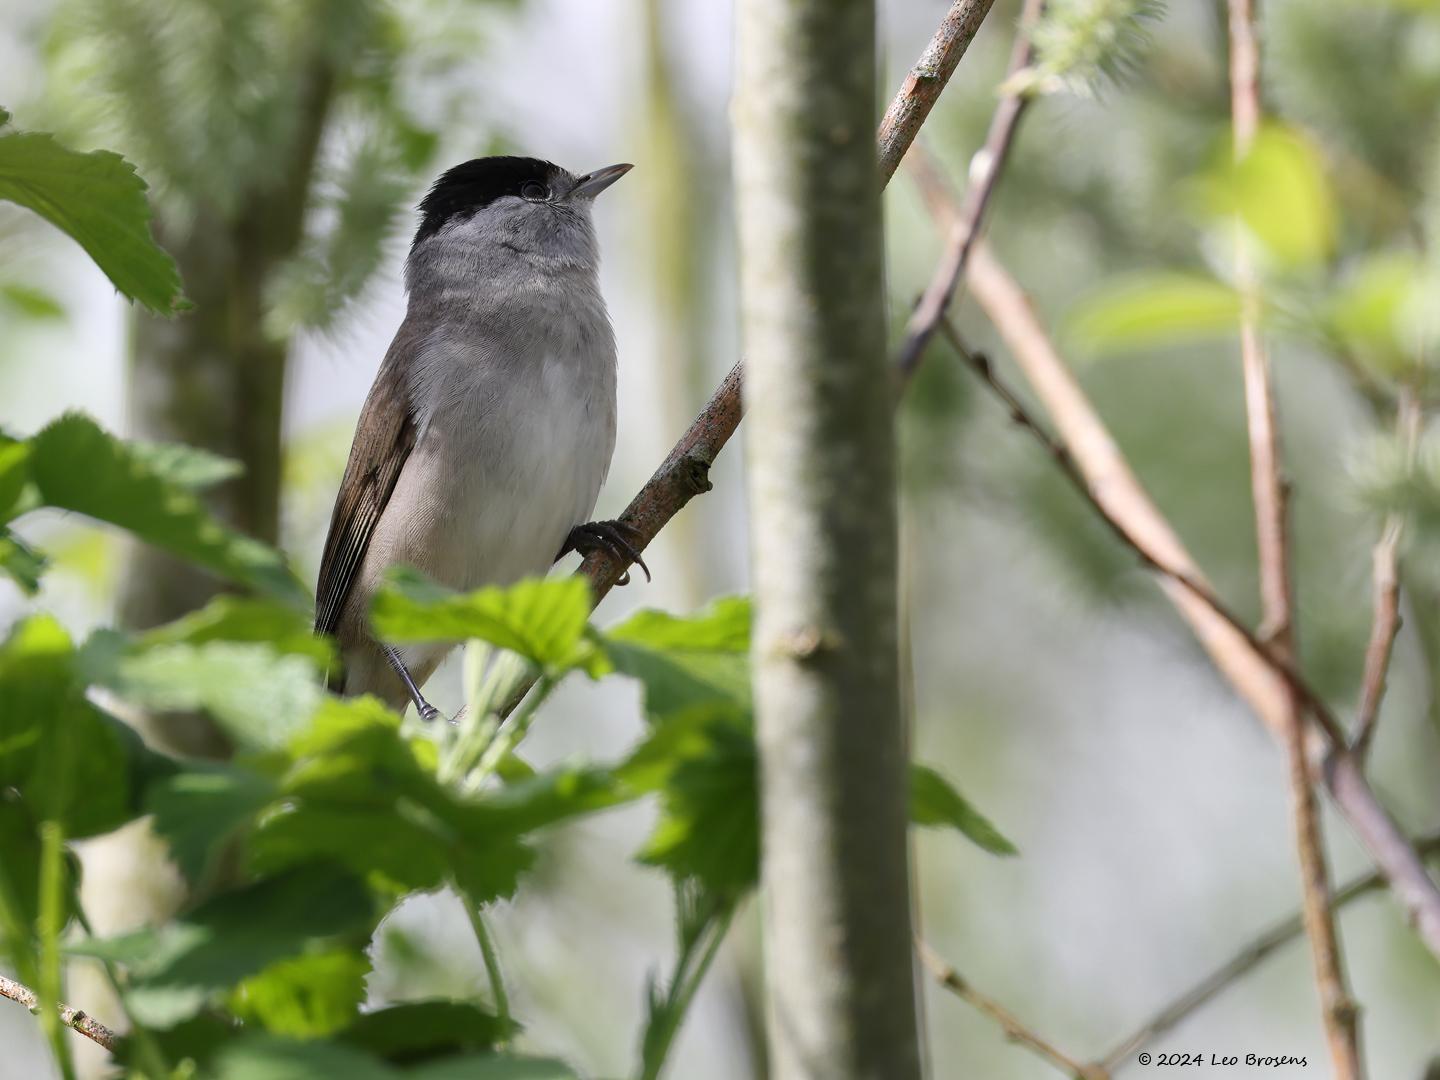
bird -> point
(484, 441)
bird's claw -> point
(611, 538)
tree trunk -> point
(213, 378)
(821, 475)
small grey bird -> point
(482, 446)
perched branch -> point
(926, 80)
(1014, 1030)
(1269, 491)
(985, 169)
(685, 472)
(80, 1021)
(1256, 674)
(1246, 960)
(1385, 624)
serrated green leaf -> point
(265, 1057)
(77, 466)
(417, 1030)
(541, 619)
(188, 466)
(198, 810)
(177, 968)
(709, 824)
(934, 802)
(722, 626)
(64, 759)
(260, 697)
(99, 200)
(359, 794)
(686, 661)
(1153, 309)
(250, 620)
(305, 997)
(493, 1067)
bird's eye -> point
(535, 192)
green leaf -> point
(709, 825)
(541, 799)
(199, 810)
(359, 794)
(14, 475)
(264, 1057)
(541, 619)
(493, 1067)
(249, 620)
(77, 466)
(20, 562)
(1153, 309)
(684, 662)
(100, 201)
(1378, 311)
(64, 759)
(934, 802)
(1280, 191)
(186, 466)
(258, 696)
(305, 997)
(722, 626)
(177, 968)
(418, 1030)
(30, 302)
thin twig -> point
(1246, 960)
(1385, 623)
(1187, 580)
(1256, 674)
(985, 169)
(80, 1021)
(1268, 489)
(944, 974)
(927, 78)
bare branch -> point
(1268, 489)
(1256, 674)
(985, 169)
(926, 80)
(1385, 624)
(80, 1021)
(1242, 963)
(1015, 1031)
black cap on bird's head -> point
(476, 184)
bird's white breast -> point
(515, 413)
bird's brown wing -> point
(384, 438)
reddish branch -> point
(1255, 673)
(80, 1021)
(1276, 584)
(985, 169)
(926, 80)
(685, 472)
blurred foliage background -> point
(286, 144)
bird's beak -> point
(591, 184)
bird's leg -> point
(610, 537)
(427, 711)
